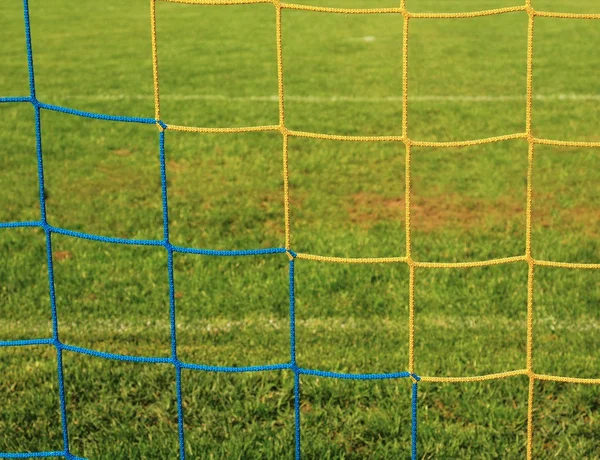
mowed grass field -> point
(343, 75)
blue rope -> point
(298, 449)
(163, 186)
(180, 427)
(415, 389)
(242, 252)
(293, 359)
(233, 370)
(40, 166)
(26, 343)
(97, 116)
(32, 454)
(40, 455)
(35, 223)
(171, 250)
(104, 239)
(338, 375)
(63, 403)
(40, 163)
(114, 356)
(30, 72)
(203, 367)
(165, 206)
(293, 314)
(15, 99)
(142, 242)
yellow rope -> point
(530, 416)
(471, 14)
(286, 193)
(325, 9)
(409, 144)
(249, 129)
(528, 256)
(481, 263)
(547, 263)
(566, 143)
(547, 14)
(556, 378)
(503, 375)
(279, 39)
(487, 140)
(218, 2)
(352, 260)
(477, 378)
(390, 138)
(408, 193)
(422, 264)
(282, 128)
(411, 318)
(155, 61)
(340, 137)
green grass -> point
(347, 199)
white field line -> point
(583, 323)
(331, 99)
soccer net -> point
(404, 138)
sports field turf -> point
(343, 75)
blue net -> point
(165, 243)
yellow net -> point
(409, 143)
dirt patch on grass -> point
(429, 214)
(587, 218)
(548, 213)
(444, 211)
(578, 219)
(456, 211)
(366, 209)
(123, 152)
(59, 256)
(175, 166)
